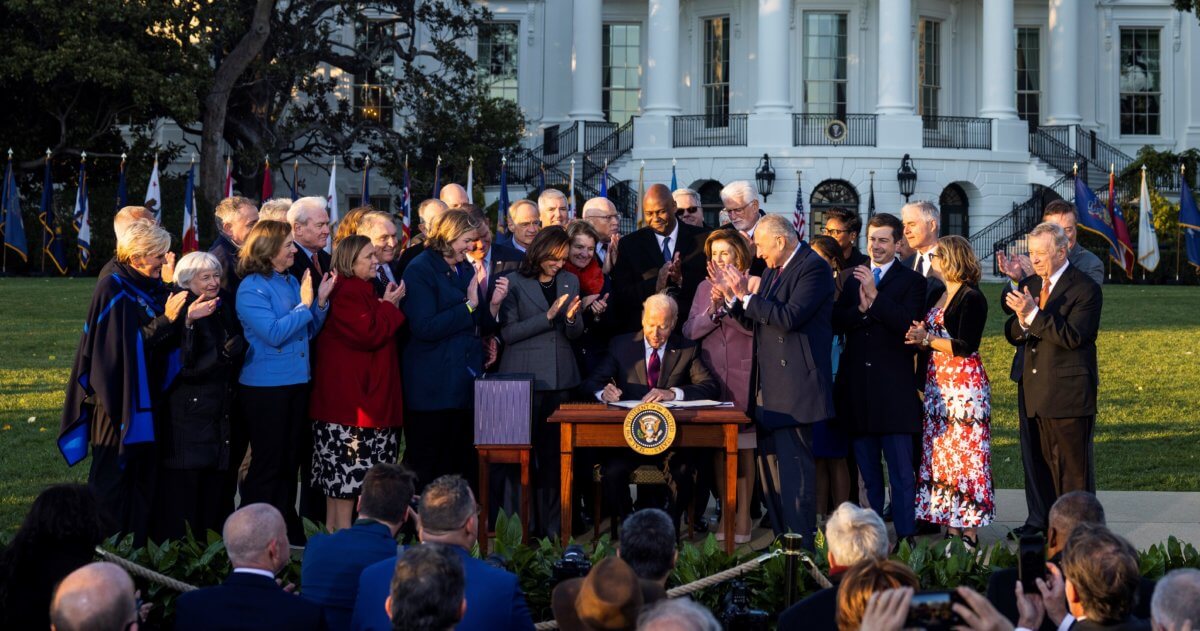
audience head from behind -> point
(775, 239)
(921, 222)
(129, 214)
(274, 209)
(428, 589)
(659, 313)
(677, 614)
(884, 233)
(428, 212)
(1067, 513)
(268, 249)
(447, 513)
(864, 579)
(1101, 574)
(853, 535)
(553, 208)
(827, 248)
(648, 544)
(610, 597)
(453, 195)
(256, 538)
(96, 597)
(386, 492)
(310, 223)
(380, 228)
(235, 217)
(1176, 602)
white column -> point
(774, 95)
(895, 58)
(662, 59)
(587, 26)
(999, 61)
(1063, 88)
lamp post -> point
(906, 176)
(764, 177)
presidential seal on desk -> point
(649, 429)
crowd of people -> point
(282, 366)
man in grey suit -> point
(1039, 490)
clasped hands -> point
(670, 273)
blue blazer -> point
(444, 352)
(494, 598)
(333, 563)
(245, 601)
(793, 341)
(278, 328)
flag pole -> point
(1178, 225)
(48, 210)
(7, 188)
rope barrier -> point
(146, 573)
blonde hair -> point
(275, 209)
(958, 261)
(447, 228)
(143, 238)
(265, 240)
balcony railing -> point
(613, 146)
(957, 132)
(851, 130)
(702, 130)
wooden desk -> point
(599, 425)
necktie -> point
(666, 249)
(1044, 294)
(921, 264)
(653, 367)
(778, 274)
(877, 273)
(479, 269)
(383, 277)
(316, 261)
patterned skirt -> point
(343, 454)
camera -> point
(736, 613)
(573, 564)
(1031, 564)
(933, 611)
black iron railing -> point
(1008, 231)
(613, 146)
(851, 130)
(1046, 144)
(596, 131)
(957, 132)
(702, 130)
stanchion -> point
(792, 549)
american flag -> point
(798, 214)
(405, 210)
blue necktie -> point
(666, 249)
(877, 273)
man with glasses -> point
(602, 214)
(687, 207)
(523, 223)
(449, 515)
(741, 204)
(96, 596)
(843, 225)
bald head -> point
(256, 537)
(127, 215)
(658, 209)
(96, 597)
(453, 195)
(429, 210)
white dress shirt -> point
(924, 256)
(253, 570)
(674, 236)
(1028, 320)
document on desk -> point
(698, 403)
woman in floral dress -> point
(954, 487)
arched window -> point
(954, 206)
(830, 194)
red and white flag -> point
(228, 178)
(798, 214)
(191, 238)
(331, 204)
(154, 194)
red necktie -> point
(653, 367)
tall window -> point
(497, 61)
(716, 71)
(929, 71)
(825, 63)
(1141, 86)
(830, 194)
(373, 96)
(622, 71)
(1029, 76)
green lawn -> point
(1149, 427)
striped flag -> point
(502, 205)
(154, 194)
(1123, 252)
(1147, 238)
(406, 209)
(798, 213)
(191, 234)
(228, 192)
(331, 201)
(81, 219)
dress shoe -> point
(1025, 531)
(928, 528)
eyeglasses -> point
(740, 208)
(833, 232)
(687, 210)
(607, 217)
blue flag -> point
(52, 238)
(502, 205)
(122, 194)
(81, 219)
(14, 226)
(604, 180)
(674, 180)
(1189, 221)
(1094, 217)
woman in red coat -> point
(356, 399)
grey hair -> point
(423, 209)
(777, 226)
(1054, 230)
(689, 192)
(248, 532)
(661, 301)
(372, 219)
(677, 613)
(194, 263)
(598, 203)
(1176, 599)
(547, 194)
(275, 209)
(926, 208)
(299, 211)
(855, 534)
(129, 214)
(740, 190)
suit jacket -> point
(411, 253)
(245, 601)
(875, 353)
(534, 344)
(494, 598)
(302, 263)
(1000, 593)
(333, 563)
(818, 612)
(726, 347)
(505, 260)
(1059, 375)
(626, 366)
(380, 286)
(933, 286)
(227, 254)
(635, 274)
(792, 322)
(757, 265)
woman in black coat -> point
(195, 444)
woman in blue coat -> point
(280, 316)
(444, 353)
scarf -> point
(591, 278)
